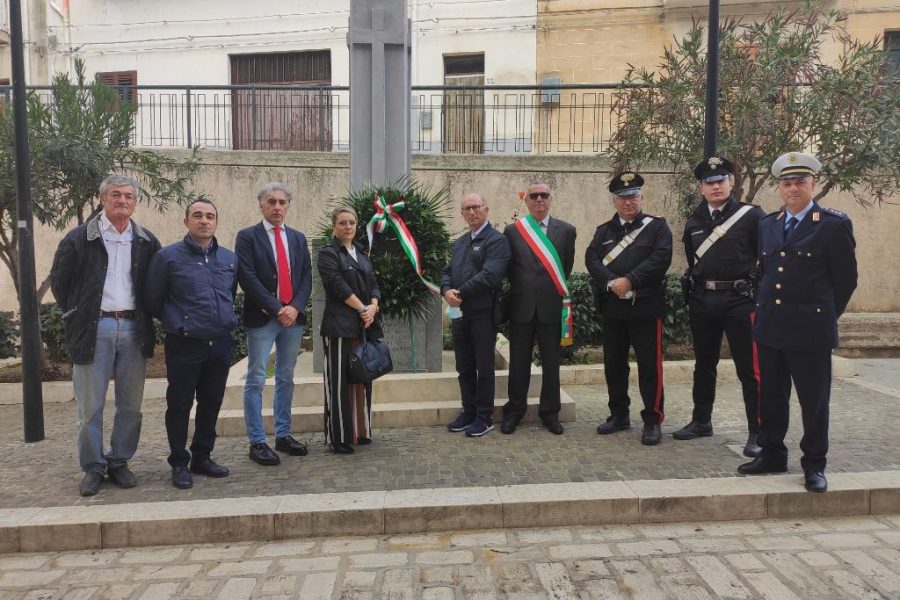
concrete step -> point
(869, 335)
(389, 414)
(399, 387)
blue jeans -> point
(117, 356)
(259, 346)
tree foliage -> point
(78, 134)
(777, 93)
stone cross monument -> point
(380, 79)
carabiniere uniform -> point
(720, 286)
(637, 320)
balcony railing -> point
(498, 119)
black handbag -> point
(369, 360)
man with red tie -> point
(274, 271)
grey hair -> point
(120, 180)
(273, 186)
(540, 182)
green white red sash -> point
(386, 215)
(543, 248)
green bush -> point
(239, 333)
(677, 325)
(53, 333)
(9, 334)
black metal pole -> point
(29, 324)
(710, 138)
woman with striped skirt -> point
(351, 305)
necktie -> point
(791, 226)
(716, 215)
(285, 291)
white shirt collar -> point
(478, 231)
(106, 225)
(269, 227)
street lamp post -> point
(710, 136)
(29, 321)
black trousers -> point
(707, 330)
(348, 406)
(521, 345)
(194, 368)
(811, 374)
(473, 347)
(645, 337)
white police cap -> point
(795, 164)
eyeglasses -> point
(472, 208)
(541, 195)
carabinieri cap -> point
(714, 168)
(627, 183)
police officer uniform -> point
(721, 249)
(635, 320)
(809, 272)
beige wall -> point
(588, 41)
(579, 183)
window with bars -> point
(892, 47)
(122, 81)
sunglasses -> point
(541, 195)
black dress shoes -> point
(760, 466)
(290, 446)
(121, 475)
(651, 435)
(261, 454)
(692, 430)
(509, 425)
(209, 467)
(342, 448)
(90, 485)
(182, 478)
(614, 424)
(815, 481)
(554, 426)
(751, 448)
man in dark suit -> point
(476, 268)
(627, 260)
(537, 273)
(808, 258)
(274, 270)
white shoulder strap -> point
(626, 241)
(719, 231)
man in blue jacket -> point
(192, 292)
(477, 266)
(275, 273)
(808, 259)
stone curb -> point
(674, 371)
(444, 509)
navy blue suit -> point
(258, 274)
(807, 281)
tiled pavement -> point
(850, 558)
(862, 439)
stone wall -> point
(232, 178)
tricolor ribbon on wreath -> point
(386, 215)
(543, 248)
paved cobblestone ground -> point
(46, 473)
(774, 560)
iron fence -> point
(489, 119)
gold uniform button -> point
(778, 301)
(780, 269)
(782, 254)
(818, 310)
(777, 286)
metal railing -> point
(490, 119)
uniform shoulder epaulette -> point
(834, 212)
(655, 217)
(749, 204)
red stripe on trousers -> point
(756, 374)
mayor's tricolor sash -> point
(543, 248)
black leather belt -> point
(117, 314)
